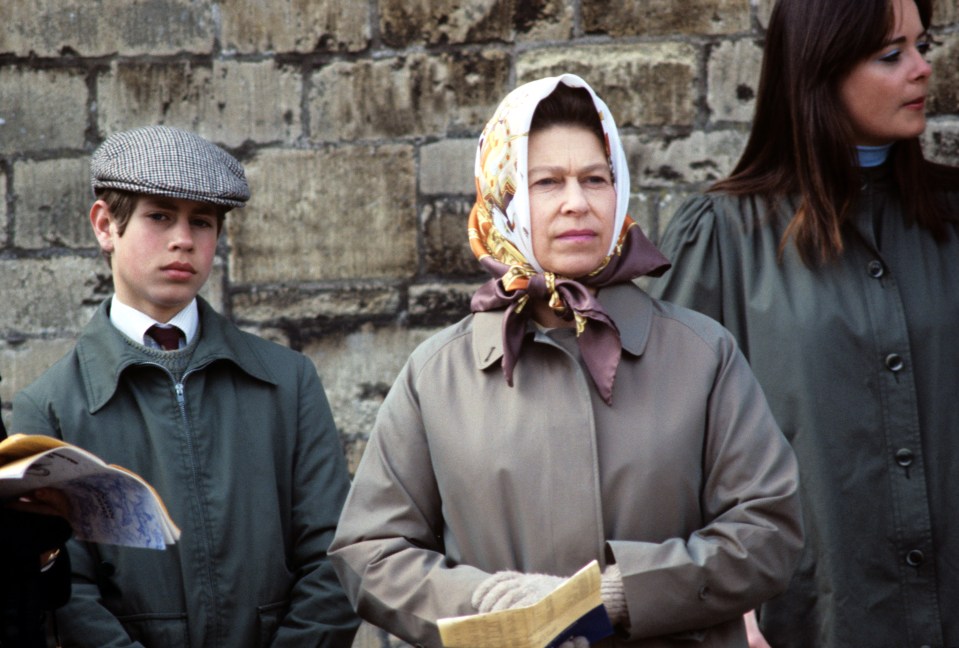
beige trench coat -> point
(686, 481)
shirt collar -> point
(134, 323)
(873, 156)
(104, 355)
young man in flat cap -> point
(233, 431)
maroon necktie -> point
(166, 337)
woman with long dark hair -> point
(832, 254)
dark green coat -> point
(250, 467)
(860, 363)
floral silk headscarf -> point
(501, 238)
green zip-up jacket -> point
(243, 451)
(860, 362)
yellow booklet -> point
(108, 503)
(574, 609)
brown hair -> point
(801, 139)
(568, 106)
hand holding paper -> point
(107, 503)
(570, 615)
(506, 590)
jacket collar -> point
(104, 353)
(627, 305)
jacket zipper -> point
(179, 390)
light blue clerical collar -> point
(873, 156)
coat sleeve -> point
(388, 549)
(83, 621)
(319, 613)
(697, 245)
(752, 535)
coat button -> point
(904, 457)
(914, 558)
(875, 269)
(704, 592)
(107, 569)
(894, 362)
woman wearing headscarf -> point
(832, 254)
(570, 418)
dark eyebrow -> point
(902, 39)
(162, 202)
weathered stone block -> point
(945, 12)
(733, 80)
(139, 94)
(658, 17)
(289, 305)
(41, 109)
(408, 22)
(668, 204)
(57, 27)
(228, 103)
(764, 11)
(944, 84)
(23, 362)
(543, 20)
(643, 211)
(52, 200)
(446, 167)
(254, 26)
(647, 84)
(50, 296)
(941, 141)
(213, 290)
(407, 96)
(696, 159)
(441, 304)
(357, 370)
(446, 242)
(664, 205)
(4, 217)
(336, 213)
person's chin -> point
(912, 125)
(177, 294)
(578, 270)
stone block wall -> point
(356, 122)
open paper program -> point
(575, 608)
(109, 504)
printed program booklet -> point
(108, 503)
(574, 609)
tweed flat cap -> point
(166, 161)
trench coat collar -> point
(627, 305)
(104, 353)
